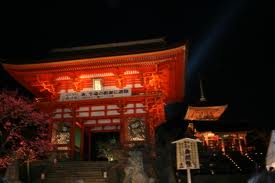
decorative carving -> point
(45, 86)
(155, 81)
(136, 129)
(77, 84)
(61, 133)
(152, 80)
(120, 81)
(155, 107)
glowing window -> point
(97, 84)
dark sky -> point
(228, 42)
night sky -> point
(228, 43)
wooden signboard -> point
(187, 154)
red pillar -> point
(72, 139)
(82, 143)
(123, 126)
(151, 141)
(89, 141)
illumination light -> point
(97, 84)
(210, 134)
(131, 72)
(86, 76)
(63, 78)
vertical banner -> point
(187, 154)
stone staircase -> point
(77, 172)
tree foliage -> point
(24, 130)
(108, 149)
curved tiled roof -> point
(101, 50)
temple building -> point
(110, 88)
(225, 147)
(218, 137)
(224, 141)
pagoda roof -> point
(100, 50)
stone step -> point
(66, 171)
(70, 172)
(76, 175)
(81, 168)
(75, 178)
(75, 181)
(85, 162)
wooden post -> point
(153, 140)
(89, 142)
(123, 127)
(73, 133)
(82, 142)
(121, 132)
(12, 172)
(28, 171)
(240, 144)
(188, 175)
(206, 140)
(72, 139)
(223, 146)
(150, 132)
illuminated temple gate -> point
(120, 92)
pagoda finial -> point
(202, 99)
